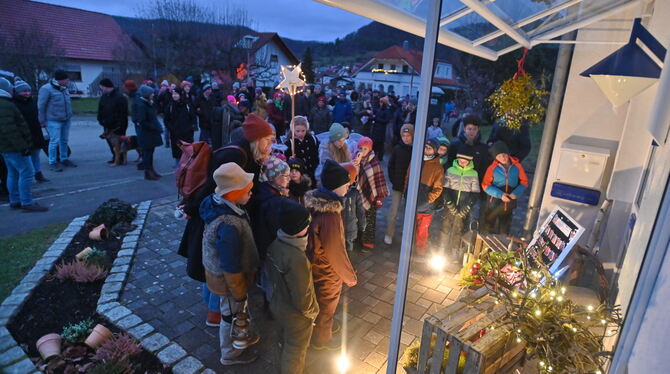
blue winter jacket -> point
(342, 111)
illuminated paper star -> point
(292, 79)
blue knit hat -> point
(6, 86)
(21, 86)
(145, 91)
(336, 132)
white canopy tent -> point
(490, 29)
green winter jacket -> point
(461, 186)
(14, 130)
(290, 275)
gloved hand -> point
(379, 203)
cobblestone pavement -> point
(159, 291)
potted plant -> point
(49, 346)
(99, 233)
(98, 336)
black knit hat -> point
(433, 143)
(466, 153)
(294, 217)
(59, 75)
(297, 163)
(106, 82)
(498, 148)
(333, 175)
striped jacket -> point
(461, 186)
(499, 180)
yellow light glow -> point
(599, 372)
(550, 368)
(552, 293)
(590, 308)
(533, 295)
(343, 363)
(518, 340)
(514, 294)
(559, 299)
(563, 290)
(603, 321)
(437, 262)
(574, 329)
(542, 363)
(518, 330)
(538, 312)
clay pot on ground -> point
(49, 346)
(99, 233)
(80, 256)
(98, 336)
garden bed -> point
(56, 303)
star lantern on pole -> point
(292, 83)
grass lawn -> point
(20, 252)
(85, 105)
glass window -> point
(380, 66)
(392, 67)
(405, 69)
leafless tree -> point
(30, 53)
(189, 38)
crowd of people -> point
(287, 198)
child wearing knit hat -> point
(331, 267)
(335, 149)
(372, 186)
(293, 301)
(397, 171)
(300, 182)
(353, 214)
(230, 258)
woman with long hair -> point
(336, 149)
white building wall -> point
(588, 118)
(401, 82)
(90, 70)
(262, 57)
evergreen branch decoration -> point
(518, 101)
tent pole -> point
(427, 65)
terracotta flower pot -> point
(49, 346)
(99, 335)
(80, 256)
(99, 233)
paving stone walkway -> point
(159, 291)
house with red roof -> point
(88, 45)
(398, 70)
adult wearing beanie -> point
(249, 152)
(335, 149)
(148, 129)
(54, 113)
(331, 267)
(112, 113)
(15, 147)
(28, 106)
(296, 307)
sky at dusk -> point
(294, 19)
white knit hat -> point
(231, 177)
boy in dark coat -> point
(397, 172)
(331, 267)
(230, 258)
(293, 300)
(28, 108)
(469, 141)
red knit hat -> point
(186, 83)
(365, 142)
(255, 128)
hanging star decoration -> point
(292, 80)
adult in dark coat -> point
(469, 142)
(383, 117)
(28, 108)
(205, 109)
(248, 152)
(222, 119)
(320, 118)
(342, 111)
(179, 119)
(315, 96)
(112, 111)
(518, 141)
(150, 130)
(302, 107)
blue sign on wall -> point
(577, 194)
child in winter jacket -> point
(397, 172)
(434, 131)
(326, 249)
(353, 214)
(430, 189)
(461, 190)
(230, 257)
(372, 186)
(505, 180)
(306, 146)
(293, 301)
(299, 183)
(443, 151)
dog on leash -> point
(121, 144)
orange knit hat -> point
(235, 195)
(352, 170)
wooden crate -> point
(460, 324)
